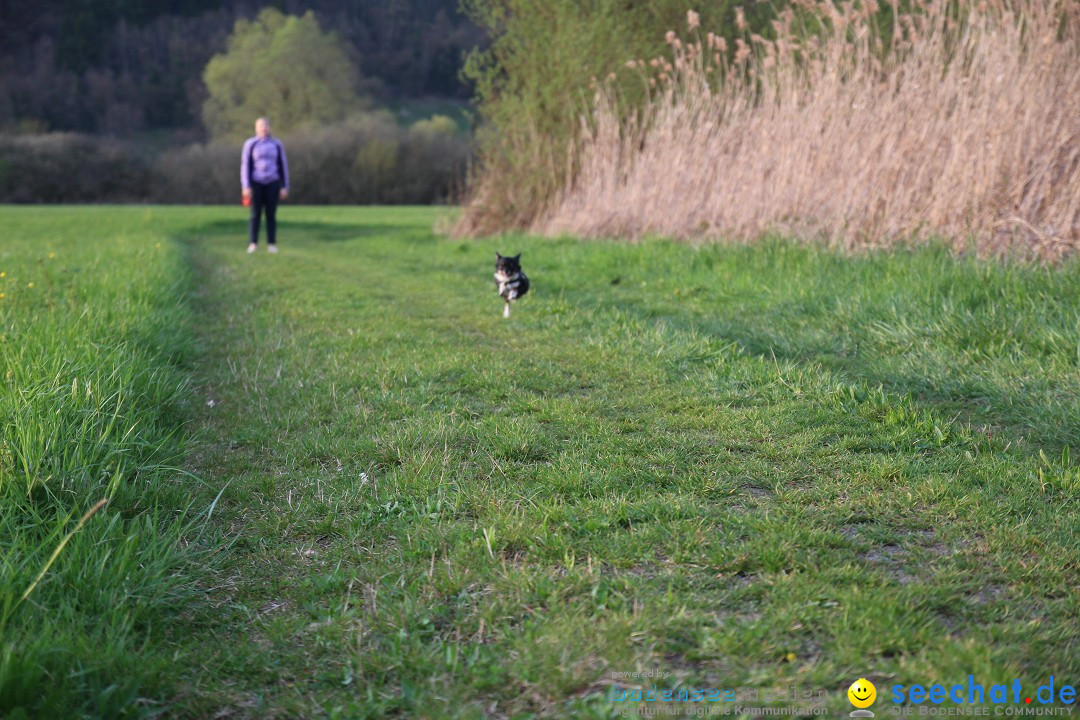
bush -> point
(198, 173)
(365, 160)
(66, 167)
(368, 159)
(534, 88)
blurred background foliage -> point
(402, 96)
(534, 85)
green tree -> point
(281, 66)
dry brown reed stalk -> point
(967, 128)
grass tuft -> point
(93, 333)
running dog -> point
(512, 283)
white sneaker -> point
(252, 247)
(271, 248)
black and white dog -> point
(512, 283)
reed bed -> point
(856, 124)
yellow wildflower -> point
(30, 285)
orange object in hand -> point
(245, 200)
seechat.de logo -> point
(862, 695)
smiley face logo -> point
(862, 693)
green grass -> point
(745, 467)
(92, 335)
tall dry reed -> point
(961, 122)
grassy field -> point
(739, 467)
(93, 333)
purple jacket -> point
(263, 161)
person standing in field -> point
(264, 177)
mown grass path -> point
(742, 467)
(702, 468)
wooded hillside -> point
(124, 66)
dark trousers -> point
(264, 195)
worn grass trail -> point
(742, 467)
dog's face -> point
(506, 266)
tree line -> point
(124, 66)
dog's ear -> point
(518, 256)
(497, 255)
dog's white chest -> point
(506, 282)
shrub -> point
(366, 159)
(370, 159)
(65, 167)
(533, 89)
(198, 173)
